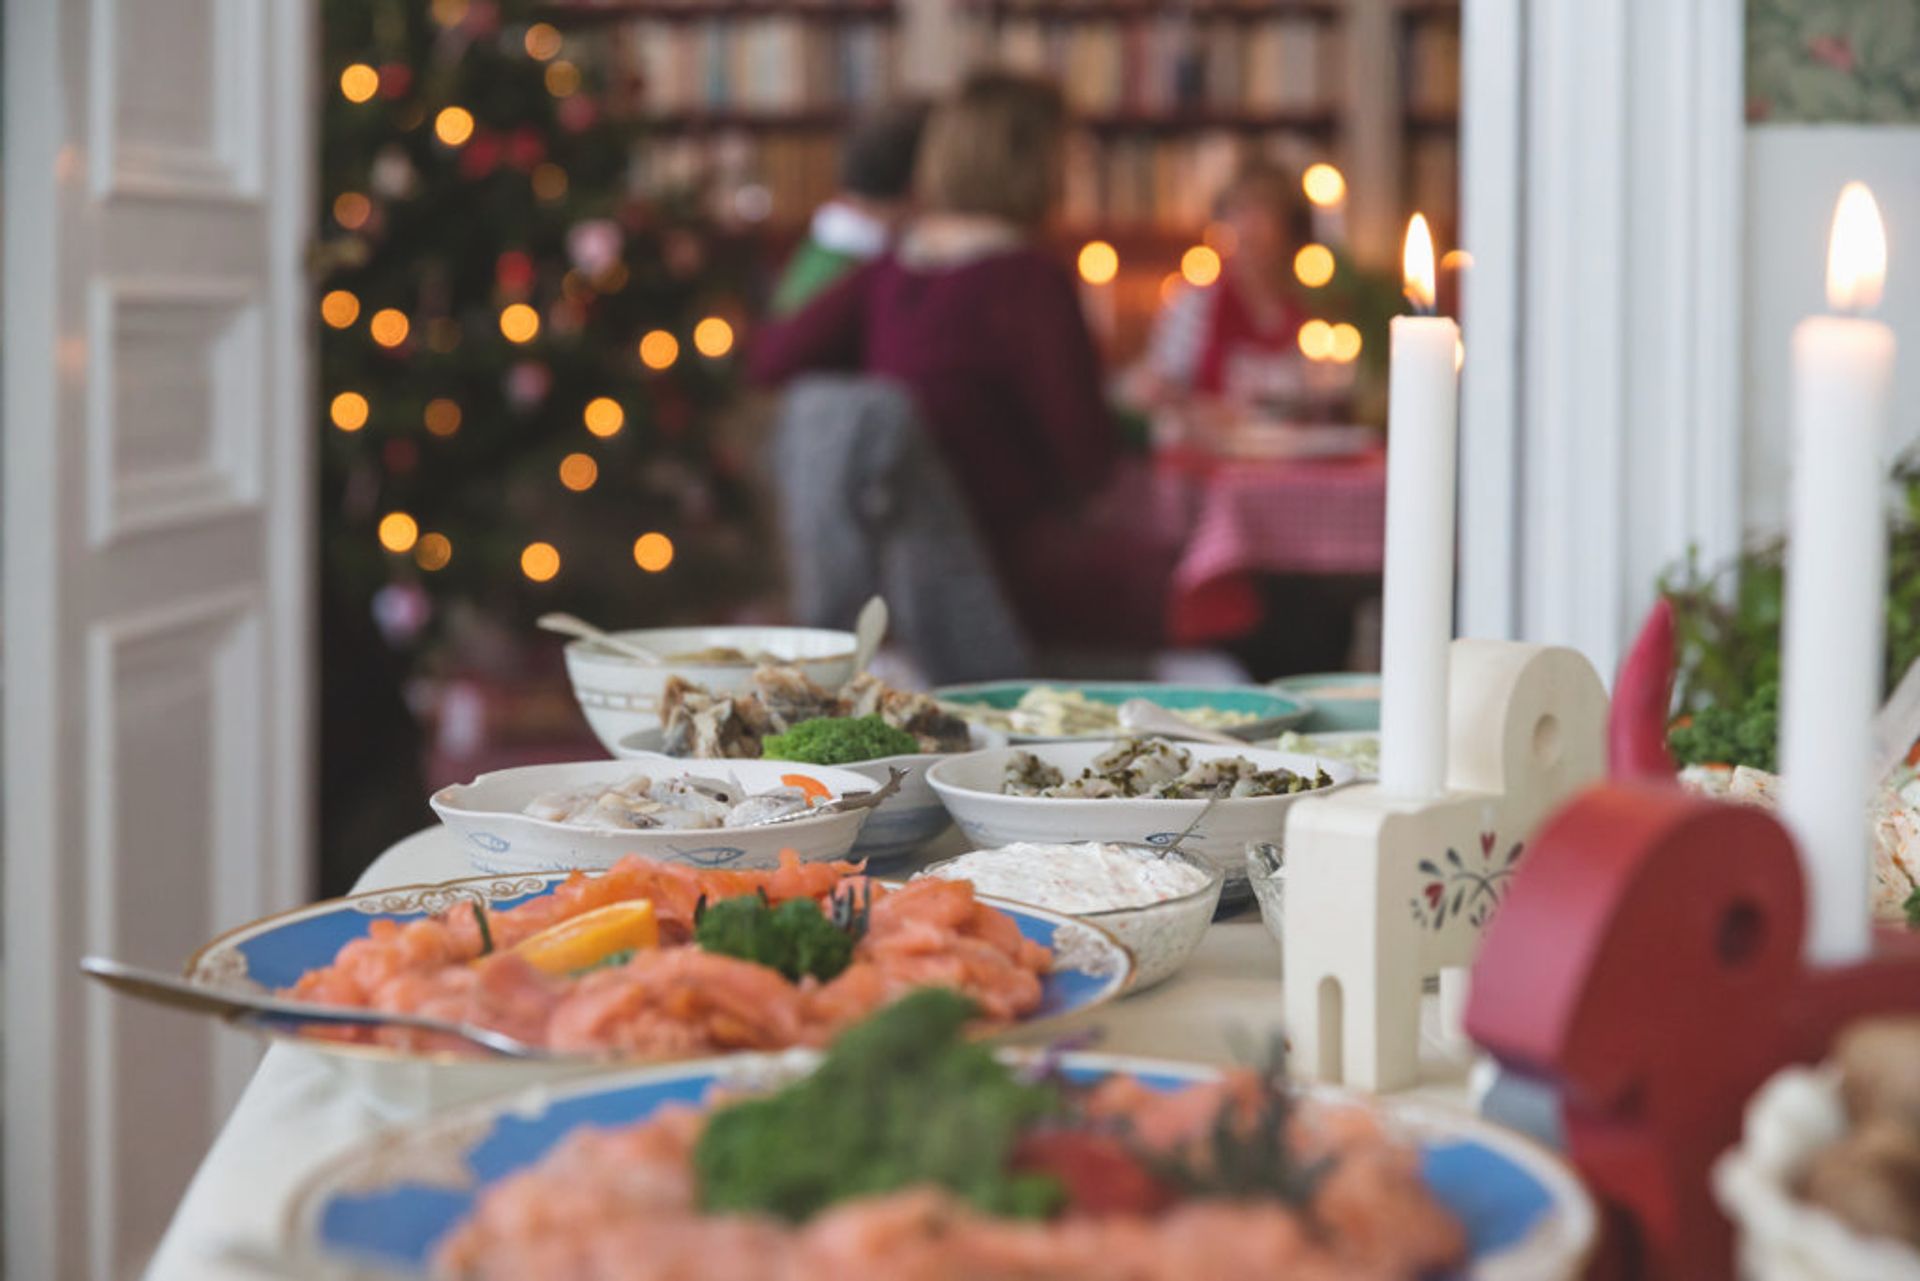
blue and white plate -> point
(386, 1203)
(1271, 712)
(1090, 966)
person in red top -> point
(1237, 339)
(984, 329)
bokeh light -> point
(1170, 285)
(1313, 265)
(1316, 340)
(549, 181)
(1324, 184)
(540, 561)
(453, 126)
(1455, 260)
(433, 551)
(659, 349)
(351, 209)
(653, 552)
(398, 532)
(359, 82)
(603, 416)
(442, 416)
(563, 79)
(713, 337)
(449, 12)
(519, 322)
(1099, 262)
(1200, 266)
(389, 327)
(1345, 346)
(339, 308)
(578, 472)
(543, 41)
(348, 411)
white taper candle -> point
(1833, 633)
(1417, 612)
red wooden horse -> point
(1647, 963)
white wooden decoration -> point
(1383, 893)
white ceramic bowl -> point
(621, 695)
(970, 787)
(1267, 876)
(1161, 935)
(486, 813)
(908, 820)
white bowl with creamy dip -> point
(1156, 900)
(621, 695)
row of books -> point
(756, 66)
(1167, 183)
(1169, 63)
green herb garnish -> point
(900, 1100)
(1745, 734)
(610, 961)
(836, 740)
(796, 938)
(1912, 908)
(486, 930)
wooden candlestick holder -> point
(1647, 964)
(1383, 893)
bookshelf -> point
(749, 97)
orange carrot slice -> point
(816, 791)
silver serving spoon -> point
(1142, 716)
(842, 803)
(868, 631)
(581, 629)
(183, 994)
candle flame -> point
(1856, 251)
(1417, 264)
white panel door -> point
(157, 579)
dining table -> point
(302, 1108)
(1239, 519)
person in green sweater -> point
(858, 224)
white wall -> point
(1794, 173)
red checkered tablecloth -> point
(1241, 520)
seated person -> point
(1238, 338)
(858, 224)
(984, 329)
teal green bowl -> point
(1272, 712)
(1339, 700)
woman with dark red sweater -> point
(985, 330)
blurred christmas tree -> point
(524, 355)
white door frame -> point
(1601, 409)
(158, 576)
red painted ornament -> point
(1647, 963)
(514, 273)
(481, 155)
(526, 149)
(396, 79)
(577, 113)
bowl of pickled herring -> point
(590, 814)
(1155, 900)
(1212, 801)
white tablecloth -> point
(299, 1110)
